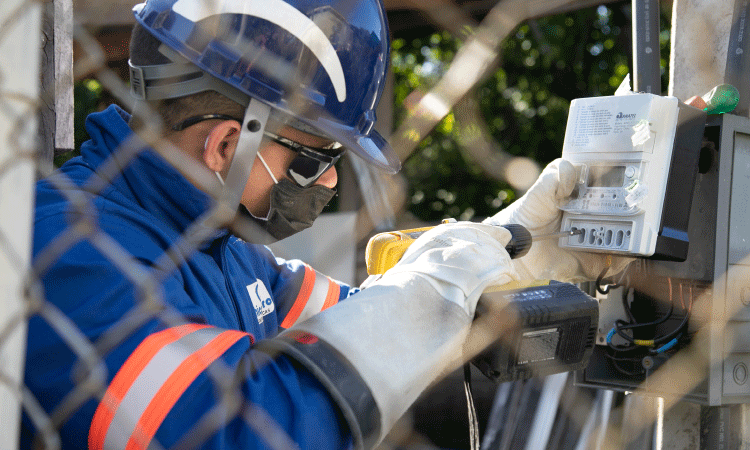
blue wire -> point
(609, 336)
(667, 346)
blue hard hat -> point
(321, 62)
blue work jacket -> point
(154, 332)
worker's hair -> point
(144, 51)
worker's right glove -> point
(380, 349)
(539, 211)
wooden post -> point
(56, 108)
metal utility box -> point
(717, 275)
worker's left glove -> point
(380, 349)
(539, 211)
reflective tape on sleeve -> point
(151, 381)
(317, 293)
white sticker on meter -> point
(636, 193)
(641, 133)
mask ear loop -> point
(268, 169)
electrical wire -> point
(604, 289)
(682, 324)
(612, 332)
(616, 363)
(621, 325)
(642, 348)
(472, 412)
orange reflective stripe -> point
(152, 380)
(176, 385)
(334, 290)
(304, 295)
(127, 375)
(317, 293)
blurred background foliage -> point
(545, 63)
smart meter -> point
(636, 159)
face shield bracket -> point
(251, 134)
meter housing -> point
(636, 159)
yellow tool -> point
(552, 325)
(384, 250)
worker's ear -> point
(220, 145)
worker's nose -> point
(329, 178)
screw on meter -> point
(636, 160)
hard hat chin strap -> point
(256, 117)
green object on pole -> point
(721, 99)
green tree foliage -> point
(546, 63)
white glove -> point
(407, 328)
(459, 260)
(538, 211)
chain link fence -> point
(512, 409)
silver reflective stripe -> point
(317, 297)
(147, 385)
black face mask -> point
(294, 208)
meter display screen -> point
(606, 176)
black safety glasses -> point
(190, 121)
(310, 163)
(306, 168)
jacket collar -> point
(147, 178)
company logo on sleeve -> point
(261, 299)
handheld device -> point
(522, 329)
(636, 158)
(541, 330)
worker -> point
(157, 325)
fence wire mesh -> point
(511, 407)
